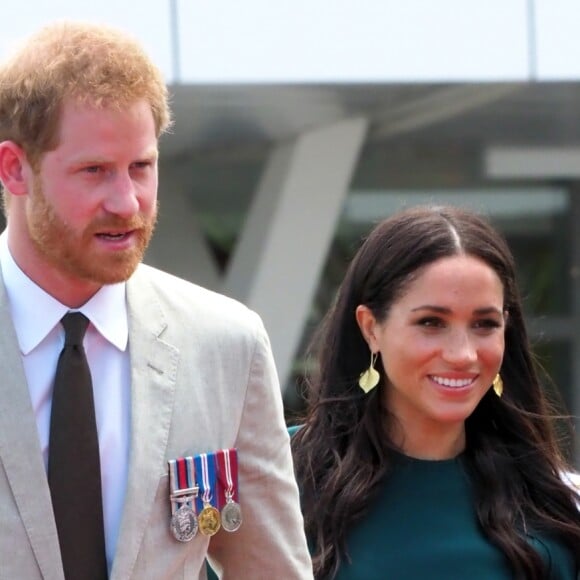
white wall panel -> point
(558, 40)
(226, 41)
(148, 20)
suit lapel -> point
(153, 375)
(20, 452)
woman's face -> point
(441, 346)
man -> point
(178, 372)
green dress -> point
(423, 526)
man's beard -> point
(77, 254)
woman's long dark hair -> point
(342, 454)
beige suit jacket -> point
(203, 379)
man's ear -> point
(13, 168)
(367, 324)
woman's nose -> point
(460, 349)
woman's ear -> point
(13, 168)
(367, 323)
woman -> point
(428, 450)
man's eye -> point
(142, 164)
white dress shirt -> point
(36, 316)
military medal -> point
(231, 512)
(208, 518)
(184, 524)
(183, 492)
(231, 516)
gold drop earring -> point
(498, 385)
(370, 378)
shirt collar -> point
(35, 312)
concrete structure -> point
(299, 125)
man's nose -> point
(122, 199)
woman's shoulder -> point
(557, 556)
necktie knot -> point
(75, 325)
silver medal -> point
(231, 516)
(184, 524)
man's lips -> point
(114, 235)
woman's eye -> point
(487, 323)
(431, 322)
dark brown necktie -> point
(74, 471)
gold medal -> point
(209, 520)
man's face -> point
(92, 207)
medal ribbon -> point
(227, 462)
(181, 479)
(205, 465)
